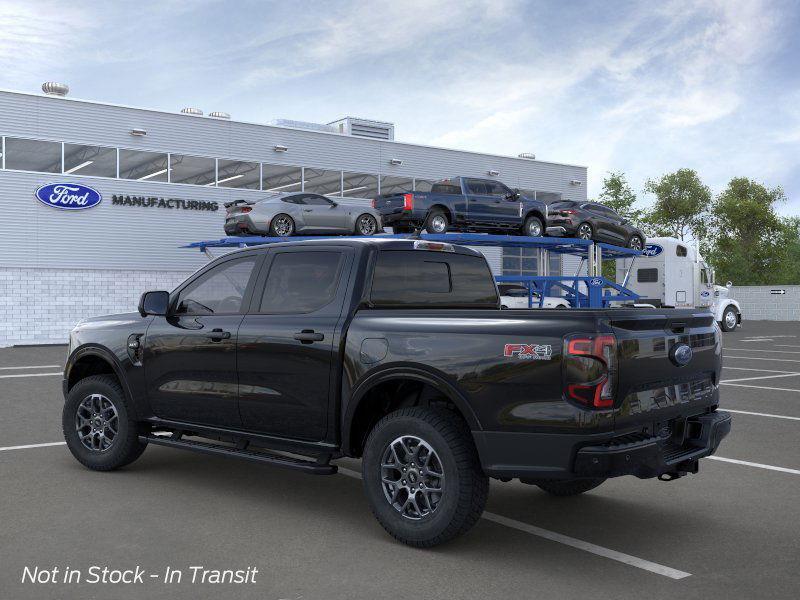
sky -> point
(639, 87)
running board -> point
(278, 460)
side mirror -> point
(729, 285)
(334, 204)
(154, 303)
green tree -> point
(681, 205)
(618, 195)
(749, 243)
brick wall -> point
(41, 306)
(759, 304)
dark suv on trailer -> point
(593, 221)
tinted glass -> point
(301, 282)
(144, 166)
(360, 185)
(238, 174)
(495, 188)
(475, 186)
(299, 199)
(416, 277)
(33, 155)
(281, 178)
(196, 170)
(446, 186)
(316, 200)
(218, 291)
(647, 275)
(90, 160)
(681, 251)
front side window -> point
(476, 186)
(97, 161)
(143, 166)
(33, 155)
(219, 290)
(316, 200)
(301, 282)
(495, 188)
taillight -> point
(246, 209)
(566, 213)
(408, 201)
(590, 368)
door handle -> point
(217, 335)
(308, 210)
(308, 336)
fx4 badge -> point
(528, 351)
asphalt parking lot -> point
(733, 531)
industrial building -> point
(162, 179)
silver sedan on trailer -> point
(300, 213)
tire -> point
(124, 448)
(437, 221)
(533, 227)
(584, 232)
(569, 487)
(636, 243)
(730, 320)
(281, 225)
(366, 225)
(464, 486)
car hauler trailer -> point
(671, 273)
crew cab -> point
(464, 204)
(395, 351)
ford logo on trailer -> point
(596, 282)
(681, 354)
(652, 250)
(68, 196)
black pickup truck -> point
(396, 351)
(464, 204)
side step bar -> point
(278, 460)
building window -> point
(321, 181)
(33, 155)
(520, 261)
(280, 178)
(360, 185)
(96, 161)
(396, 185)
(143, 166)
(237, 174)
(194, 170)
(423, 185)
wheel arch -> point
(370, 400)
(446, 209)
(729, 303)
(535, 212)
(96, 360)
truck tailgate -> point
(654, 387)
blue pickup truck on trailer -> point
(464, 204)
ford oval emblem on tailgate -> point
(681, 354)
(68, 196)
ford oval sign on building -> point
(68, 196)
(652, 250)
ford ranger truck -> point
(396, 352)
(464, 204)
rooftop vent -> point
(527, 155)
(377, 130)
(192, 111)
(303, 125)
(219, 115)
(51, 88)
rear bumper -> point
(569, 456)
(396, 216)
(244, 225)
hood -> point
(720, 291)
(110, 320)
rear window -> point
(647, 275)
(436, 279)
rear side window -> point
(301, 282)
(417, 277)
(647, 275)
(446, 187)
(681, 251)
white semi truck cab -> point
(671, 273)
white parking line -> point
(752, 369)
(760, 387)
(747, 412)
(33, 446)
(759, 465)
(627, 559)
(760, 377)
(791, 360)
(786, 346)
(30, 375)
(759, 350)
(31, 367)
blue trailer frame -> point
(599, 291)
